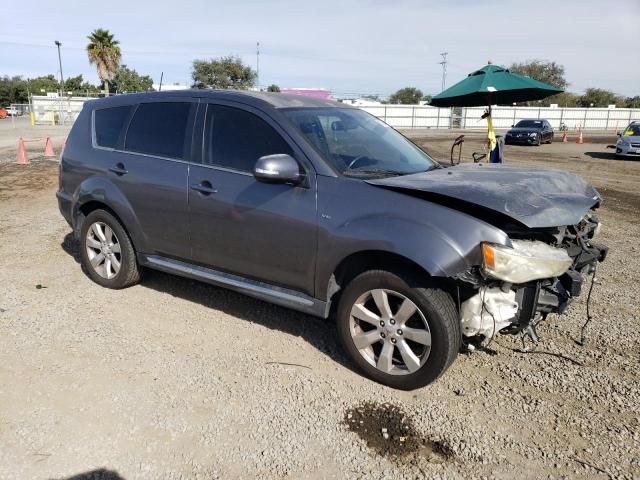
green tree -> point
(13, 90)
(128, 80)
(223, 72)
(273, 88)
(104, 52)
(632, 102)
(406, 96)
(598, 97)
(426, 98)
(42, 85)
(564, 99)
(73, 84)
(543, 71)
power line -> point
(444, 69)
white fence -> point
(573, 118)
(411, 116)
(58, 110)
(420, 116)
(66, 109)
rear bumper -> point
(65, 205)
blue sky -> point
(364, 46)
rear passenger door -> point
(238, 224)
(150, 167)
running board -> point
(262, 291)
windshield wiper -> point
(372, 171)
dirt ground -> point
(176, 379)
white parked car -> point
(628, 144)
(13, 111)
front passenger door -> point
(240, 225)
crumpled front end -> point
(517, 287)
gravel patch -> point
(176, 379)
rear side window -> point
(108, 125)
(159, 129)
(235, 138)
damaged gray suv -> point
(322, 208)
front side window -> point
(236, 138)
(159, 129)
(358, 144)
(108, 123)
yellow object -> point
(628, 133)
(33, 118)
(53, 119)
(491, 135)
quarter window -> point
(235, 138)
(159, 129)
(108, 125)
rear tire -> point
(412, 363)
(106, 251)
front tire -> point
(106, 251)
(397, 331)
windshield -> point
(358, 144)
(633, 130)
(529, 123)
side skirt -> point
(262, 291)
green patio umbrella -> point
(493, 85)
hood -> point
(630, 138)
(524, 129)
(536, 198)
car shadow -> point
(98, 474)
(602, 155)
(319, 333)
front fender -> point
(101, 190)
(443, 241)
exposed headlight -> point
(527, 260)
(623, 141)
(533, 134)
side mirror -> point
(513, 124)
(619, 134)
(278, 168)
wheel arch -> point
(98, 193)
(359, 262)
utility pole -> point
(61, 119)
(444, 69)
(58, 44)
(258, 65)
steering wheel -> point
(356, 160)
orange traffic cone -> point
(48, 148)
(22, 153)
(564, 138)
(579, 141)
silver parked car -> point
(628, 144)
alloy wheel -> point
(390, 332)
(103, 250)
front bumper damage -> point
(492, 306)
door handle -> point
(204, 188)
(119, 169)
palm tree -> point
(104, 52)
